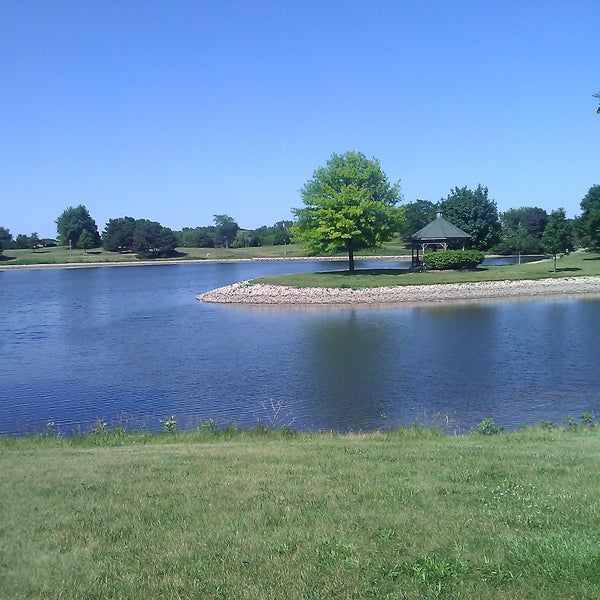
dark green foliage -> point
(152, 240)
(148, 239)
(589, 222)
(522, 230)
(531, 218)
(85, 241)
(118, 234)
(558, 235)
(473, 212)
(417, 214)
(30, 242)
(5, 239)
(21, 241)
(198, 237)
(348, 204)
(518, 241)
(456, 260)
(226, 229)
(276, 235)
(72, 222)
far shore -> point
(260, 294)
(199, 261)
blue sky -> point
(178, 110)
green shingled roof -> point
(440, 229)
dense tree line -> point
(349, 201)
(147, 239)
(22, 241)
(227, 233)
(516, 231)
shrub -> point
(488, 427)
(457, 260)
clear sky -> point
(178, 110)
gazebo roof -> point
(440, 229)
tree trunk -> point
(350, 248)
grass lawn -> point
(61, 255)
(406, 514)
(575, 264)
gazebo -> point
(439, 233)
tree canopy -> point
(522, 230)
(148, 239)
(473, 212)
(118, 234)
(558, 235)
(226, 229)
(417, 214)
(588, 223)
(72, 222)
(349, 204)
(152, 240)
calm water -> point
(132, 344)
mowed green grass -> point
(60, 255)
(406, 514)
(575, 264)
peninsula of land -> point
(246, 292)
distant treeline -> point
(148, 239)
(527, 229)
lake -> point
(131, 345)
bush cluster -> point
(457, 260)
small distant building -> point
(438, 234)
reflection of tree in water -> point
(377, 369)
(352, 358)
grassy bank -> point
(61, 255)
(575, 264)
(406, 514)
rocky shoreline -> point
(245, 292)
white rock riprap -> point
(245, 292)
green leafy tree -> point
(146, 238)
(167, 242)
(558, 235)
(417, 214)
(519, 241)
(118, 234)
(72, 222)
(34, 241)
(225, 230)
(243, 239)
(474, 213)
(588, 223)
(85, 241)
(530, 218)
(349, 204)
(21, 241)
(152, 240)
(5, 239)
(198, 237)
